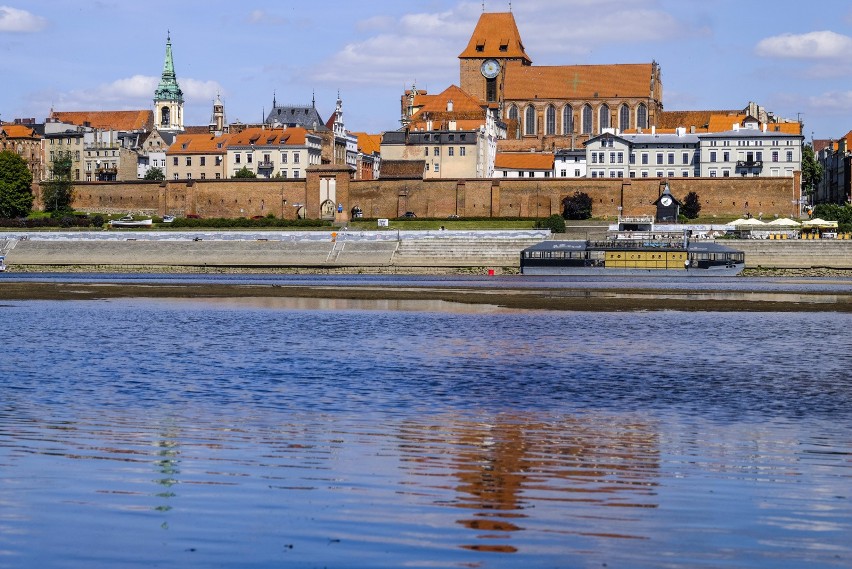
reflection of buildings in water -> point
(505, 468)
(168, 466)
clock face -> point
(490, 68)
(666, 201)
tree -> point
(155, 173)
(16, 180)
(555, 223)
(811, 171)
(57, 192)
(578, 206)
(691, 206)
(244, 172)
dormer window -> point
(504, 46)
(480, 47)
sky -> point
(789, 56)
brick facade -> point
(733, 196)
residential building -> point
(523, 165)
(569, 163)
(195, 156)
(835, 157)
(64, 140)
(751, 149)
(612, 155)
(273, 152)
(26, 142)
(455, 134)
(152, 150)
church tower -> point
(217, 120)
(495, 44)
(168, 98)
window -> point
(283, 157)
(427, 150)
(632, 158)
(726, 156)
(659, 174)
(189, 176)
(642, 116)
(437, 167)
(612, 157)
(203, 176)
(175, 161)
(712, 173)
(577, 173)
(659, 158)
(621, 157)
(462, 150)
(594, 157)
(612, 173)
(789, 156)
(685, 157)
(624, 117)
(451, 151)
(249, 158)
(513, 116)
(563, 173)
(550, 120)
(645, 174)
(236, 159)
(644, 158)
(505, 174)
(775, 156)
(759, 156)
(684, 174)
(671, 158)
(176, 176)
(296, 174)
(189, 160)
(529, 121)
(296, 159)
(726, 173)
(567, 120)
(587, 119)
(603, 117)
(713, 156)
(436, 151)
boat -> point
(128, 221)
(168, 218)
(636, 250)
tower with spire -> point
(168, 98)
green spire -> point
(168, 89)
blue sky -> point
(792, 57)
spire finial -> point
(314, 98)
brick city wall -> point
(432, 198)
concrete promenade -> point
(412, 250)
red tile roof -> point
(18, 131)
(369, 143)
(199, 144)
(497, 36)
(631, 80)
(115, 120)
(523, 161)
(268, 137)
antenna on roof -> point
(510, 5)
(483, 6)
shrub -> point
(691, 206)
(578, 206)
(555, 223)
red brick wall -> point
(434, 198)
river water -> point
(358, 434)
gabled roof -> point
(523, 161)
(463, 104)
(18, 131)
(199, 144)
(698, 119)
(305, 116)
(369, 143)
(294, 136)
(114, 120)
(496, 35)
(523, 82)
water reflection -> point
(510, 470)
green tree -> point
(57, 192)
(578, 206)
(555, 223)
(811, 171)
(691, 206)
(155, 173)
(16, 180)
(244, 172)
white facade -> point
(569, 164)
(750, 152)
(289, 161)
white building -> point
(750, 151)
(569, 163)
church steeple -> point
(168, 98)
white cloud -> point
(832, 102)
(813, 45)
(424, 46)
(15, 20)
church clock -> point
(490, 68)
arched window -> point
(513, 116)
(587, 119)
(603, 117)
(550, 120)
(529, 121)
(567, 120)
(642, 116)
(165, 116)
(624, 117)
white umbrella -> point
(820, 223)
(752, 222)
(784, 222)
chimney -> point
(680, 131)
(653, 130)
(736, 127)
